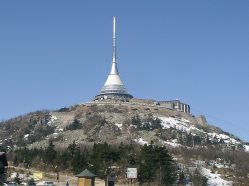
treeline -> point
(154, 163)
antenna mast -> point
(114, 57)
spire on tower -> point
(114, 41)
(114, 69)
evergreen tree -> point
(136, 121)
(166, 166)
(156, 165)
(78, 161)
(155, 122)
(97, 157)
(31, 182)
(63, 160)
(15, 161)
(147, 166)
(181, 178)
(17, 179)
(100, 158)
(198, 179)
(72, 149)
(49, 154)
(75, 125)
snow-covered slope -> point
(185, 126)
(214, 179)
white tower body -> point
(114, 87)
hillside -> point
(190, 139)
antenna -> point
(114, 57)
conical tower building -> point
(114, 87)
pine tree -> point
(49, 155)
(72, 148)
(156, 165)
(78, 161)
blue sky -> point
(58, 53)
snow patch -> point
(59, 129)
(246, 147)
(214, 179)
(141, 141)
(26, 136)
(52, 119)
(224, 137)
(172, 143)
(184, 126)
(119, 125)
(185, 120)
(179, 124)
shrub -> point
(75, 125)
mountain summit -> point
(189, 138)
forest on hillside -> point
(155, 164)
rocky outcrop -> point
(201, 120)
